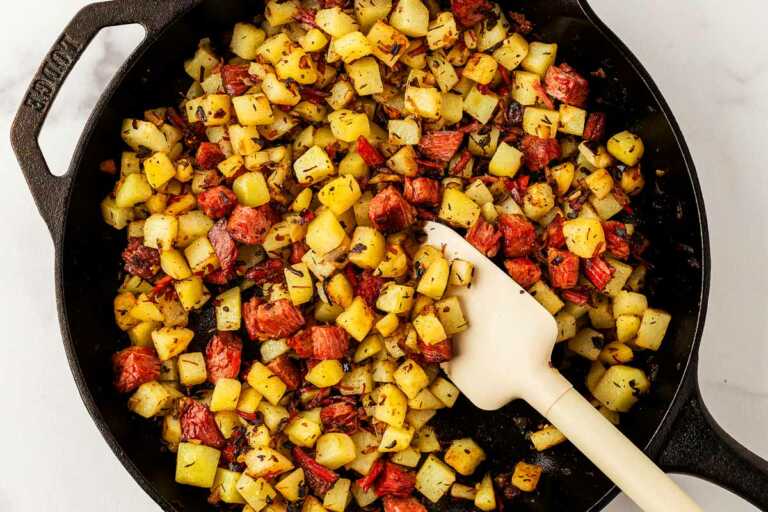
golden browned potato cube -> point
(435, 279)
(480, 106)
(160, 231)
(653, 327)
(335, 22)
(442, 31)
(266, 461)
(196, 464)
(512, 52)
(246, 39)
(337, 498)
(572, 120)
(424, 102)
(192, 293)
(620, 387)
(137, 133)
(546, 438)
(429, 328)
(266, 383)
(365, 76)
(411, 17)
(445, 391)
(587, 343)
(257, 493)
(391, 405)
(192, 370)
(506, 161)
(313, 166)
(434, 478)
(540, 57)
(464, 455)
(348, 125)
(290, 486)
(201, 256)
(525, 87)
(396, 439)
(627, 327)
(339, 194)
(152, 399)
(357, 319)
(485, 499)
(600, 183)
(411, 378)
(326, 373)
(584, 236)
(526, 476)
(480, 68)
(334, 450)
(629, 303)
(387, 43)
(626, 147)
(458, 209)
(395, 298)
(171, 341)
(253, 110)
(225, 486)
(303, 432)
(225, 395)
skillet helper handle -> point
(51, 192)
(698, 446)
(616, 456)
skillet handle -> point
(51, 192)
(698, 446)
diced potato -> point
(141, 333)
(512, 52)
(275, 47)
(152, 399)
(114, 215)
(334, 450)
(192, 370)
(424, 102)
(192, 293)
(365, 452)
(583, 236)
(122, 306)
(279, 92)
(326, 373)
(335, 22)
(434, 478)
(171, 341)
(442, 31)
(340, 194)
(227, 310)
(525, 87)
(627, 327)
(546, 297)
(485, 499)
(394, 264)
(246, 39)
(368, 12)
(595, 373)
(620, 387)
(464, 455)
(540, 57)
(463, 492)
(566, 325)
(225, 486)
(458, 209)
(526, 476)
(159, 169)
(453, 108)
(395, 298)
(626, 147)
(435, 279)
(266, 461)
(587, 343)
(653, 327)
(160, 231)
(541, 122)
(411, 17)
(253, 110)
(480, 68)
(353, 165)
(425, 400)
(196, 464)
(225, 395)
(621, 274)
(291, 485)
(632, 181)
(138, 134)
(629, 303)
(257, 493)
(572, 120)
(443, 71)
(408, 457)
(391, 405)
(600, 183)
(299, 282)
(297, 65)
(404, 131)
(562, 176)
(338, 496)
(312, 504)
(211, 110)
(411, 378)
(266, 383)
(352, 46)
(396, 439)
(480, 106)
(506, 161)
(313, 166)
(274, 415)
(616, 353)
(201, 256)
(404, 161)
(546, 438)
(357, 319)
(365, 76)
(171, 432)
(445, 391)
(429, 328)
(249, 399)
(348, 125)
(451, 316)
(461, 273)
(303, 432)
(313, 41)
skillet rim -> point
(687, 380)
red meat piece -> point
(469, 12)
(563, 268)
(553, 235)
(217, 202)
(269, 271)
(135, 366)
(524, 271)
(223, 356)
(140, 260)
(224, 246)
(368, 287)
(566, 84)
(598, 271)
(340, 417)
(519, 235)
(395, 481)
(437, 353)
(236, 79)
(329, 342)
(422, 191)
(368, 480)
(319, 478)
(272, 320)
(199, 424)
(390, 212)
(617, 239)
(369, 154)
(301, 343)
(594, 128)
(485, 237)
(250, 225)
(284, 368)
(209, 155)
(441, 146)
(538, 152)
(396, 504)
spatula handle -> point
(616, 456)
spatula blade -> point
(510, 334)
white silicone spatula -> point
(505, 355)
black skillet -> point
(672, 424)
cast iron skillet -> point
(672, 424)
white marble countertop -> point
(711, 64)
